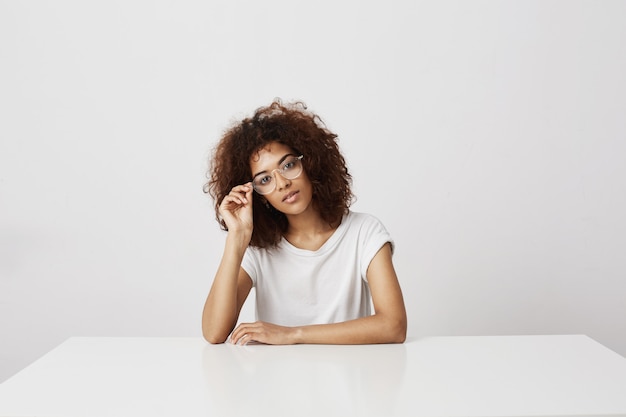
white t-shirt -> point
(296, 287)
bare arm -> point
(232, 284)
(387, 325)
(229, 291)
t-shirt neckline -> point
(330, 243)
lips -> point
(289, 197)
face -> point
(290, 196)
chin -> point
(296, 208)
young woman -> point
(282, 192)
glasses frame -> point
(280, 171)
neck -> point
(308, 230)
(307, 223)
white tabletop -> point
(439, 376)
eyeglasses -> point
(290, 169)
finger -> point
(243, 329)
(234, 199)
(242, 187)
(243, 190)
(243, 340)
(236, 335)
(249, 190)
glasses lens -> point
(264, 184)
(290, 170)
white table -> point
(439, 376)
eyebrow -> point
(280, 161)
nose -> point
(281, 182)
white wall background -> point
(488, 136)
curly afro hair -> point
(303, 131)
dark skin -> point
(307, 230)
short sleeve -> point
(250, 264)
(373, 236)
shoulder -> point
(359, 219)
(256, 260)
(261, 253)
(365, 225)
(369, 229)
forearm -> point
(221, 308)
(377, 328)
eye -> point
(263, 180)
(289, 165)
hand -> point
(236, 208)
(263, 332)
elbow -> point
(213, 338)
(392, 328)
(399, 336)
(214, 332)
(397, 331)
